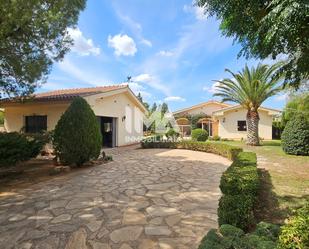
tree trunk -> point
(253, 128)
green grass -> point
(285, 180)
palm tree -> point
(250, 88)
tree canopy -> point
(33, 34)
(268, 29)
(297, 104)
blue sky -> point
(171, 50)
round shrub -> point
(172, 134)
(199, 135)
(295, 136)
(77, 137)
(16, 147)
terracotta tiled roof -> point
(67, 94)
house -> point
(224, 120)
(119, 112)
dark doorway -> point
(108, 131)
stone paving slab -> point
(144, 199)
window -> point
(241, 125)
(35, 124)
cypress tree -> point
(77, 137)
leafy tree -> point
(250, 88)
(140, 98)
(298, 104)
(33, 34)
(77, 137)
(153, 108)
(267, 28)
(164, 108)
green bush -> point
(222, 149)
(239, 185)
(216, 138)
(77, 137)
(1, 118)
(236, 210)
(295, 234)
(242, 176)
(199, 135)
(172, 134)
(16, 147)
(295, 136)
(230, 237)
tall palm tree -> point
(250, 88)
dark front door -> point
(108, 131)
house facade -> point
(119, 112)
(224, 120)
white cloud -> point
(151, 81)
(135, 27)
(123, 45)
(138, 88)
(281, 97)
(142, 78)
(146, 42)
(145, 94)
(81, 74)
(196, 10)
(174, 98)
(165, 53)
(82, 45)
(213, 89)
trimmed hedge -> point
(199, 135)
(242, 176)
(295, 136)
(229, 237)
(16, 147)
(239, 185)
(228, 151)
(295, 234)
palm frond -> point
(251, 86)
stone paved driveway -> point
(144, 199)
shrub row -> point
(295, 233)
(16, 147)
(229, 237)
(228, 151)
(239, 185)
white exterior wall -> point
(118, 106)
(112, 106)
(228, 128)
(14, 115)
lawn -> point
(285, 180)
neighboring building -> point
(111, 104)
(224, 120)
